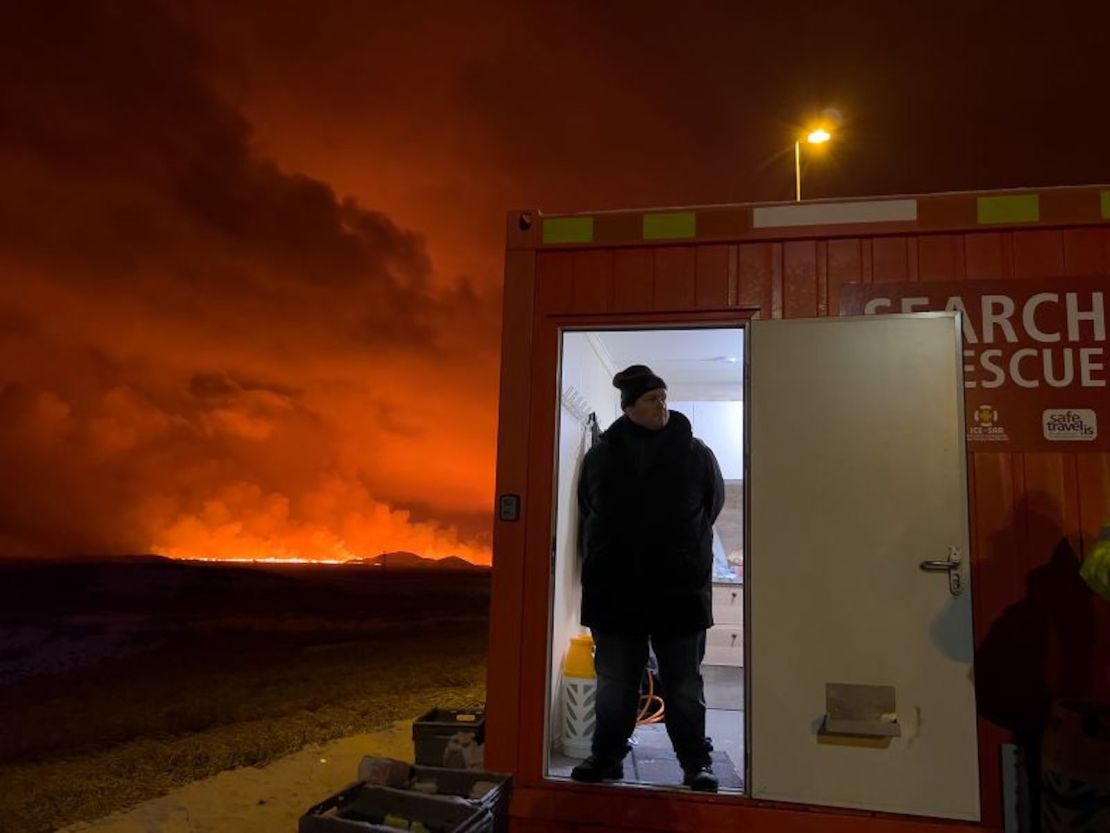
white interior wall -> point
(588, 367)
(720, 425)
(585, 372)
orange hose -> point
(643, 718)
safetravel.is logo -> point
(1065, 424)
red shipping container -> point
(1029, 272)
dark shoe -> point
(594, 770)
(701, 780)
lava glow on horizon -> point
(266, 560)
(302, 543)
(273, 560)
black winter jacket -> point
(648, 500)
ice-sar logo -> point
(986, 416)
(986, 427)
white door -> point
(861, 685)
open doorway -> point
(704, 372)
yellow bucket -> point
(579, 661)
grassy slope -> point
(220, 693)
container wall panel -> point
(822, 277)
(507, 573)
(526, 825)
(996, 584)
(1093, 474)
(713, 277)
(940, 257)
(1038, 254)
(555, 281)
(996, 574)
(542, 417)
(845, 265)
(646, 811)
(593, 281)
(674, 278)
(1039, 631)
(1093, 477)
(1086, 250)
(799, 279)
(633, 279)
(757, 271)
(986, 255)
(890, 261)
(1058, 608)
(1050, 505)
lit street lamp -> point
(816, 137)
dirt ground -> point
(123, 684)
(266, 799)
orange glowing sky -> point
(251, 252)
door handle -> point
(951, 566)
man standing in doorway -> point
(649, 493)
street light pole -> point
(797, 170)
(817, 137)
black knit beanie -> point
(634, 381)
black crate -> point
(364, 808)
(461, 783)
(433, 732)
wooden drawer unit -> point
(728, 603)
(724, 645)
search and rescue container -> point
(926, 384)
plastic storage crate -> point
(364, 808)
(448, 737)
(494, 789)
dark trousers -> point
(620, 660)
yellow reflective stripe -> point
(672, 225)
(568, 230)
(1022, 208)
